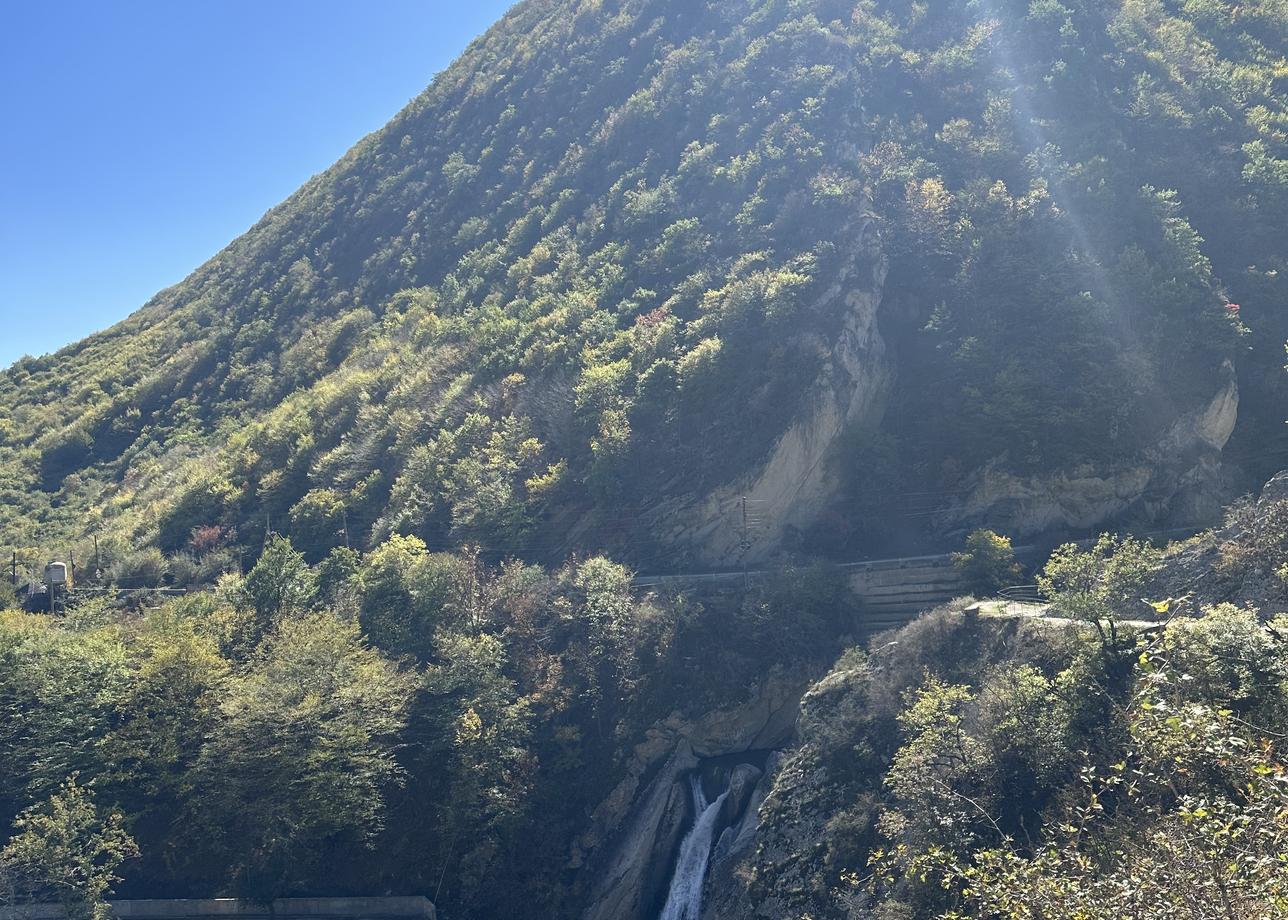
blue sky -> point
(138, 137)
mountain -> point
(679, 285)
(885, 272)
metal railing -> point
(1026, 594)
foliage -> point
(65, 852)
(1190, 823)
(1260, 540)
(1102, 584)
(305, 734)
(988, 562)
(511, 325)
(58, 695)
(280, 586)
(996, 766)
(143, 568)
(493, 316)
(398, 716)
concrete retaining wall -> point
(408, 908)
(895, 591)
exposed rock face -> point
(766, 722)
(742, 783)
(1022, 506)
(797, 481)
(1210, 426)
(1178, 479)
(795, 806)
(629, 886)
(739, 838)
(635, 834)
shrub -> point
(206, 539)
(1260, 541)
(142, 568)
(987, 562)
(66, 851)
(184, 570)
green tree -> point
(407, 594)
(336, 574)
(318, 521)
(60, 688)
(300, 759)
(158, 726)
(280, 586)
(987, 562)
(67, 852)
(473, 742)
(1101, 585)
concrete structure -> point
(892, 591)
(406, 908)
(56, 574)
(896, 591)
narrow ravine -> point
(684, 901)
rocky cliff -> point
(1177, 481)
(789, 490)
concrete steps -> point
(896, 592)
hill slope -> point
(881, 270)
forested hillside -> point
(411, 722)
(588, 280)
(672, 284)
(425, 723)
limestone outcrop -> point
(798, 480)
(1180, 478)
(632, 879)
(1177, 480)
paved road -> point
(652, 581)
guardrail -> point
(1022, 593)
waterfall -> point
(684, 902)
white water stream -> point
(684, 902)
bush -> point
(143, 568)
(66, 851)
(988, 562)
(184, 570)
(1259, 541)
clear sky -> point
(138, 137)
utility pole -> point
(13, 570)
(745, 545)
(98, 562)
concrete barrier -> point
(404, 908)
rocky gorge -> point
(639, 831)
